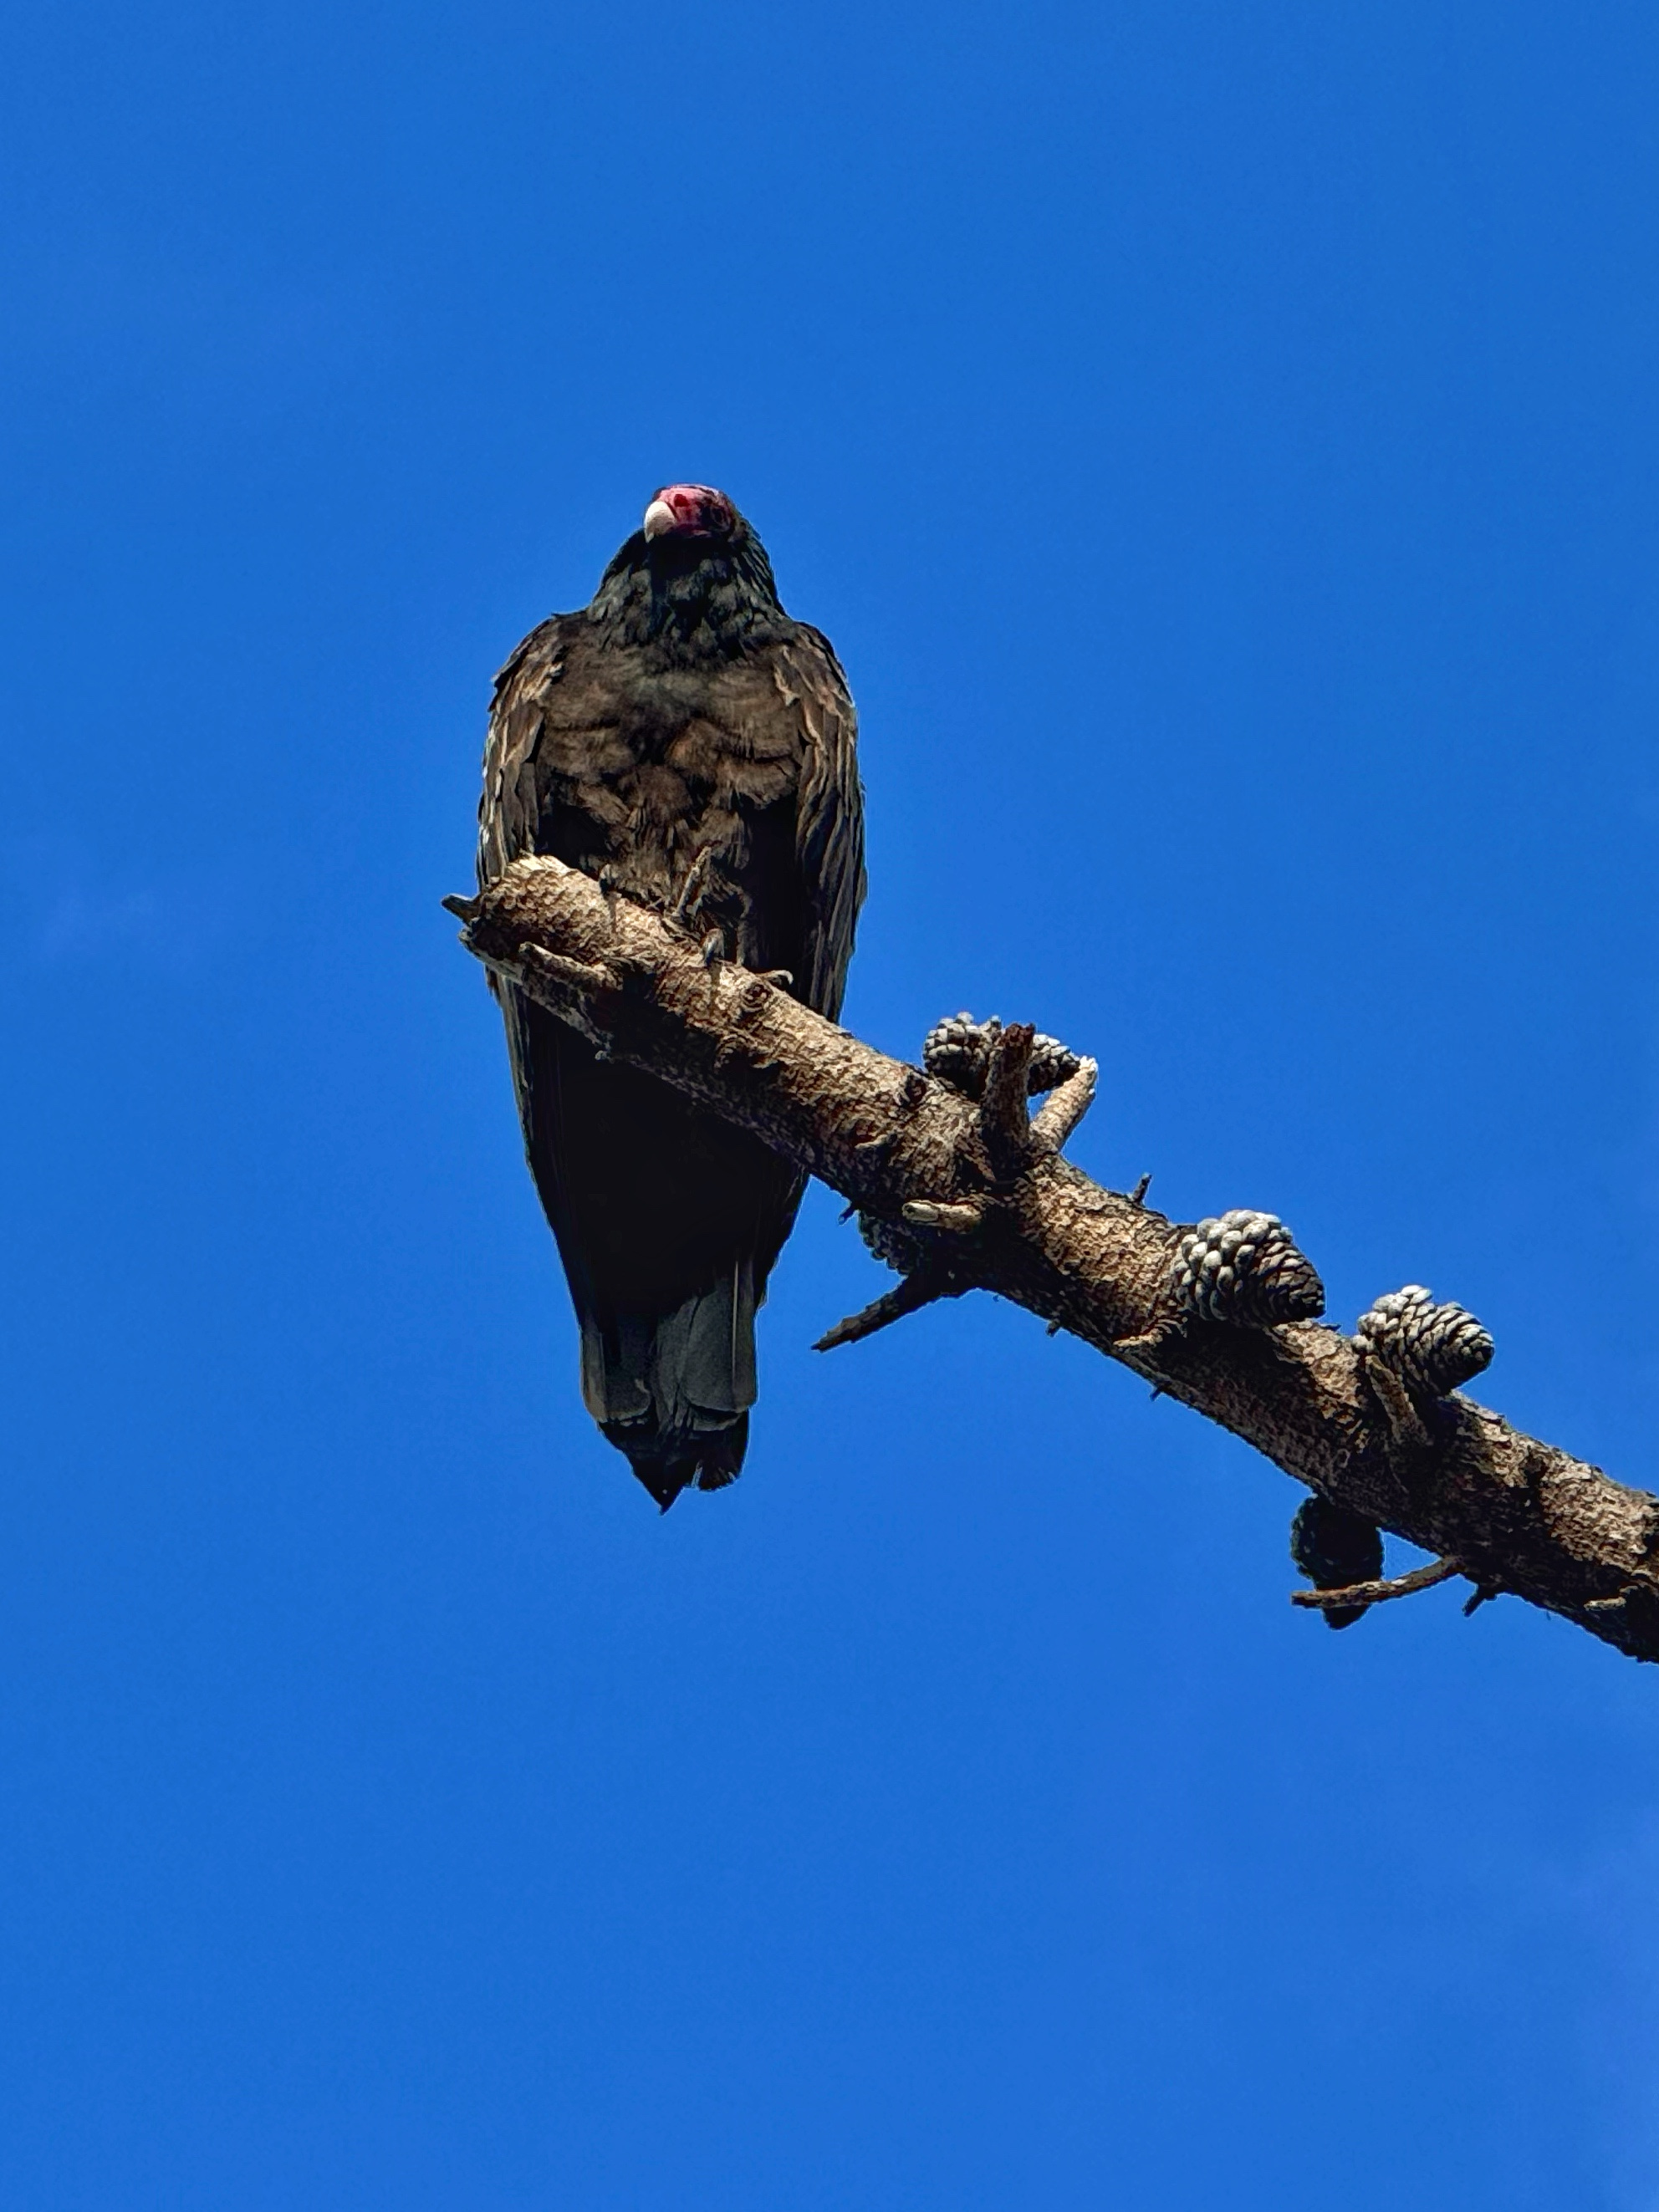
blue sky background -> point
(1221, 443)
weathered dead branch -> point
(984, 1197)
(1380, 1591)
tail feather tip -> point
(665, 1466)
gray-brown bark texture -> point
(965, 1188)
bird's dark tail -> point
(672, 1391)
(667, 1464)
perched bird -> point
(681, 721)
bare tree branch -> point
(985, 1197)
(1379, 1592)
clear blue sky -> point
(1222, 443)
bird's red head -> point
(689, 511)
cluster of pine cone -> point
(957, 1050)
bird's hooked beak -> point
(689, 510)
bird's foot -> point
(692, 889)
(609, 880)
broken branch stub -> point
(1005, 1119)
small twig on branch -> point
(1380, 1428)
(929, 1214)
(1404, 1420)
(1004, 1117)
(1379, 1592)
(1062, 1109)
(908, 1296)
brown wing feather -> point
(829, 814)
(508, 808)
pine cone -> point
(1335, 1546)
(957, 1050)
(1245, 1267)
(1433, 1349)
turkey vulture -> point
(680, 720)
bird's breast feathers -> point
(724, 735)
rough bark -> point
(980, 1197)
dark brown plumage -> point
(681, 713)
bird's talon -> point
(692, 889)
